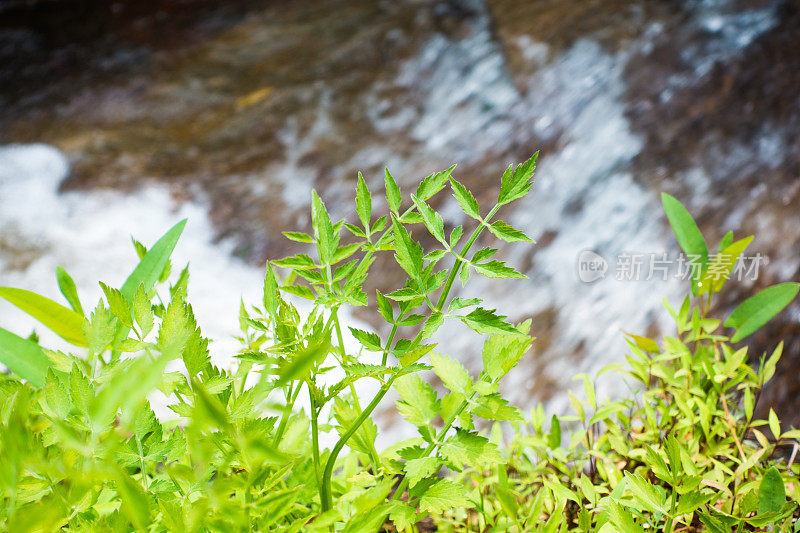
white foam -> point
(88, 233)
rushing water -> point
(236, 125)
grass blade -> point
(24, 358)
(64, 322)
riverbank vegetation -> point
(681, 450)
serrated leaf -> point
(393, 197)
(118, 305)
(416, 469)
(296, 262)
(363, 201)
(327, 239)
(369, 340)
(497, 270)
(64, 322)
(760, 308)
(384, 307)
(418, 403)
(407, 251)
(444, 496)
(508, 233)
(433, 184)
(402, 515)
(487, 321)
(452, 373)
(468, 448)
(465, 199)
(433, 221)
(99, 329)
(298, 237)
(517, 182)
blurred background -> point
(120, 117)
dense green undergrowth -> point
(82, 450)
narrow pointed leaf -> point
(760, 308)
(67, 286)
(64, 322)
(24, 358)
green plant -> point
(227, 460)
(682, 452)
(83, 450)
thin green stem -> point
(326, 496)
(439, 437)
(373, 452)
(314, 431)
(459, 260)
(325, 487)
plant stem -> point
(325, 486)
(373, 452)
(326, 496)
(314, 431)
(454, 271)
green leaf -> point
(645, 493)
(99, 329)
(771, 492)
(433, 184)
(622, 518)
(468, 448)
(760, 308)
(443, 496)
(502, 352)
(688, 234)
(407, 251)
(24, 358)
(416, 469)
(68, 289)
(720, 268)
(402, 515)
(393, 197)
(363, 202)
(118, 304)
(153, 263)
(554, 437)
(142, 311)
(465, 199)
(135, 503)
(369, 340)
(487, 321)
(497, 270)
(508, 233)
(452, 373)
(418, 403)
(327, 239)
(494, 407)
(304, 359)
(517, 182)
(271, 294)
(432, 219)
(384, 307)
(64, 322)
(298, 237)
